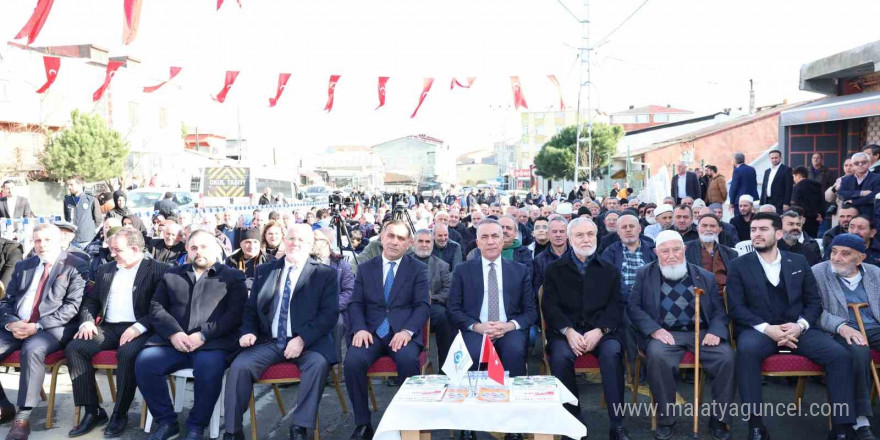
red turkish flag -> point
(558, 90)
(220, 3)
(132, 18)
(331, 92)
(33, 26)
(382, 81)
(426, 86)
(112, 67)
(230, 79)
(455, 82)
(52, 65)
(174, 72)
(519, 100)
(282, 84)
(494, 366)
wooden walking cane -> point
(856, 307)
(697, 294)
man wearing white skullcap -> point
(663, 216)
(662, 308)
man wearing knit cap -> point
(774, 301)
(844, 280)
(662, 308)
(866, 228)
(249, 256)
(663, 216)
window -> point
(642, 119)
(163, 118)
(661, 117)
(540, 130)
(539, 116)
(525, 130)
(560, 115)
(623, 119)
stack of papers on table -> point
(534, 389)
(423, 388)
(490, 391)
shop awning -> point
(835, 108)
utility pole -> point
(584, 56)
(751, 96)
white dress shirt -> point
(773, 271)
(484, 309)
(11, 201)
(120, 300)
(386, 264)
(293, 273)
(26, 305)
(772, 176)
(682, 186)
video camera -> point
(399, 198)
(337, 202)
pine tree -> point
(87, 148)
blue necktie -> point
(385, 327)
(281, 340)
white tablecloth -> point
(475, 415)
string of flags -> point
(52, 67)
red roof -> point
(651, 109)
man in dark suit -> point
(778, 182)
(861, 187)
(440, 278)
(115, 315)
(11, 253)
(873, 152)
(12, 206)
(583, 310)
(38, 316)
(290, 317)
(809, 196)
(685, 184)
(661, 307)
(166, 206)
(493, 296)
(743, 182)
(707, 252)
(196, 312)
(388, 312)
(774, 301)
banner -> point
(227, 182)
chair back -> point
(744, 247)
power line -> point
(568, 10)
(621, 24)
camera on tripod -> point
(399, 198)
(337, 202)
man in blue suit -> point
(861, 187)
(504, 310)
(744, 181)
(388, 311)
(774, 302)
(290, 316)
(493, 296)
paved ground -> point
(336, 425)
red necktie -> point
(35, 312)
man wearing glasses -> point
(861, 187)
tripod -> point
(401, 213)
(338, 225)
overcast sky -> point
(691, 54)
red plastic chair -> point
(53, 361)
(385, 366)
(285, 373)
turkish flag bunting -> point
(455, 82)
(558, 90)
(425, 88)
(220, 3)
(519, 100)
(174, 72)
(382, 81)
(132, 18)
(52, 66)
(33, 26)
(282, 84)
(230, 79)
(489, 356)
(331, 92)
(112, 67)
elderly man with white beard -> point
(844, 280)
(707, 252)
(661, 306)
